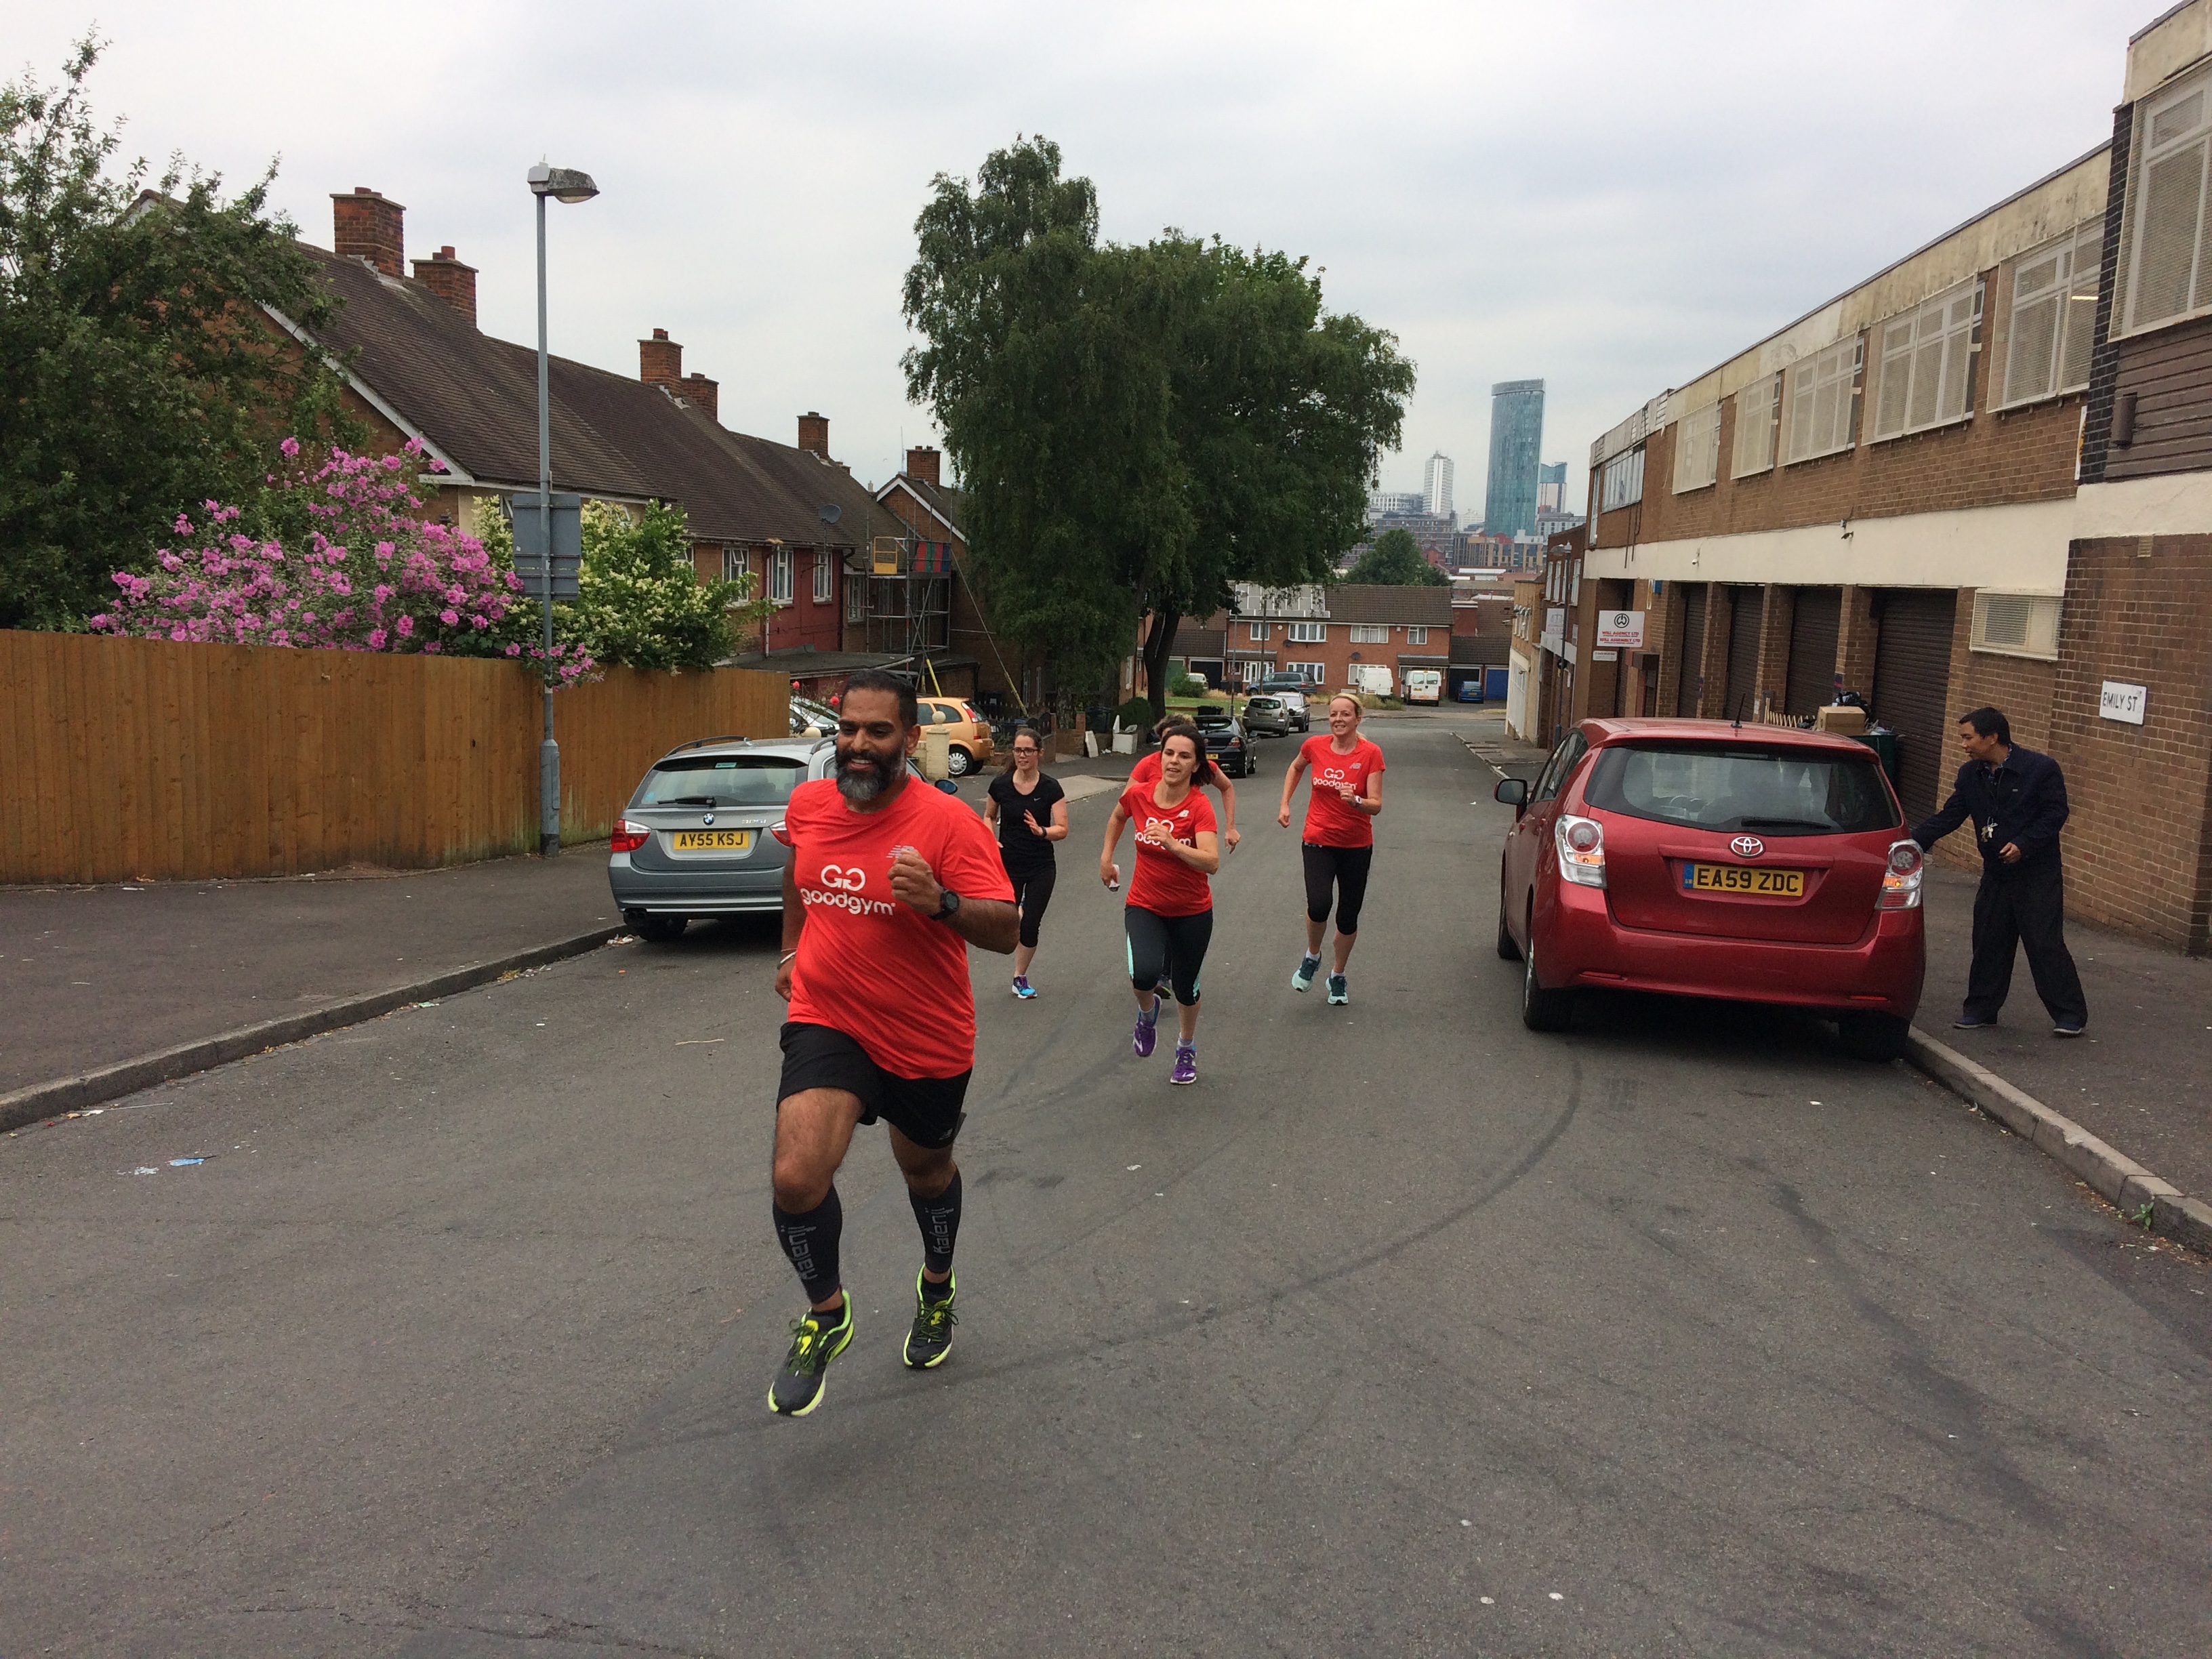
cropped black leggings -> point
(1170, 946)
(1345, 866)
(1032, 892)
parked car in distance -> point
(1266, 716)
(697, 838)
(967, 733)
(806, 715)
(1696, 858)
(1293, 692)
(1227, 744)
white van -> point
(1425, 685)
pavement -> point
(1405, 1331)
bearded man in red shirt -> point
(887, 885)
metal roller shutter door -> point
(1694, 648)
(1911, 676)
(1745, 605)
(1813, 626)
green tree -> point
(141, 375)
(1135, 427)
(1396, 561)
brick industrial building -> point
(1983, 475)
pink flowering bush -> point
(338, 559)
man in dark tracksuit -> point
(2017, 800)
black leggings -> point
(1347, 867)
(1032, 892)
(1173, 946)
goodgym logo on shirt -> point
(1168, 829)
(841, 888)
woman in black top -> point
(1030, 811)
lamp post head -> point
(562, 183)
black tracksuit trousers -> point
(2024, 907)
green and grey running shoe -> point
(797, 1389)
(930, 1339)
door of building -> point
(1745, 606)
(1912, 678)
(1814, 623)
(1686, 683)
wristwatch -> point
(948, 904)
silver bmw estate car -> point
(695, 839)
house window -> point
(733, 564)
(1756, 407)
(2016, 624)
(1621, 483)
(1697, 449)
(826, 576)
(2169, 266)
(1259, 631)
(1822, 398)
(1310, 672)
(1309, 633)
(778, 576)
(856, 598)
(1927, 363)
(1417, 636)
(2054, 316)
(1370, 634)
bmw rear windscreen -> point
(1777, 790)
(721, 781)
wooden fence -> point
(122, 758)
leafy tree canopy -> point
(141, 376)
(1136, 427)
(1396, 560)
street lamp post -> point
(567, 184)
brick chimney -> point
(702, 393)
(660, 362)
(366, 226)
(922, 465)
(814, 433)
(451, 280)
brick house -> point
(1983, 475)
(1318, 631)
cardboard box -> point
(1843, 718)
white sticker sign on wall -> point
(2118, 701)
(1622, 630)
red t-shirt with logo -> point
(1147, 770)
(1329, 822)
(1162, 883)
(893, 980)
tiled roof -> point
(1375, 602)
(1472, 649)
(475, 399)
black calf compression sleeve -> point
(939, 1220)
(810, 1239)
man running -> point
(1028, 810)
(1338, 844)
(887, 884)
(1170, 915)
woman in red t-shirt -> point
(1170, 915)
(1339, 842)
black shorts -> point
(1344, 868)
(1032, 892)
(1170, 946)
(925, 1109)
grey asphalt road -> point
(1405, 1331)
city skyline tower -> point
(1436, 485)
(1517, 448)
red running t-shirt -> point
(1329, 822)
(893, 980)
(1147, 770)
(1162, 883)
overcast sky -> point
(1613, 196)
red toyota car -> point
(1697, 858)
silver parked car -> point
(696, 841)
(1267, 716)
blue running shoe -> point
(1023, 988)
(1338, 992)
(1147, 1032)
(1303, 979)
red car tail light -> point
(782, 831)
(629, 837)
(1900, 882)
(1581, 843)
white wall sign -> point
(1621, 629)
(1555, 627)
(1605, 656)
(2118, 701)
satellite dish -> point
(831, 511)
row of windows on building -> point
(783, 565)
(1314, 632)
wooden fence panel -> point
(121, 758)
